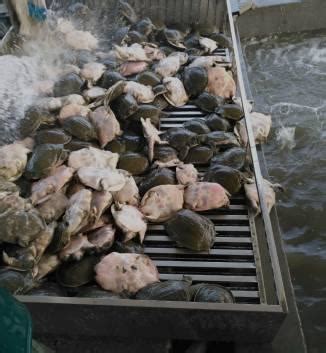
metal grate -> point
(232, 261)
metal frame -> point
(177, 320)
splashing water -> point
(285, 136)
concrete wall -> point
(295, 17)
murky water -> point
(288, 79)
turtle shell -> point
(208, 102)
(124, 106)
(134, 163)
(211, 293)
(159, 176)
(199, 155)
(169, 290)
(234, 157)
(195, 80)
(198, 126)
(77, 273)
(191, 230)
(216, 122)
(80, 127)
(228, 177)
(231, 111)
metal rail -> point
(257, 170)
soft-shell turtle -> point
(229, 178)
(234, 157)
(169, 290)
(191, 230)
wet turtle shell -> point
(59, 240)
(160, 102)
(15, 282)
(44, 159)
(159, 89)
(217, 139)
(118, 145)
(97, 292)
(164, 153)
(211, 293)
(134, 163)
(109, 78)
(221, 39)
(169, 290)
(68, 84)
(195, 80)
(54, 136)
(198, 126)
(173, 37)
(199, 155)
(34, 118)
(234, 157)
(128, 247)
(144, 26)
(147, 111)
(77, 273)
(159, 176)
(208, 102)
(124, 106)
(182, 140)
(75, 145)
(80, 127)
(231, 111)
(135, 37)
(216, 122)
(148, 78)
(228, 177)
(191, 230)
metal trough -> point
(244, 257)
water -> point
(288, 79)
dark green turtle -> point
(231, 111)
(218, 139)
(124, 106)
(52, 136)
(199, 155)
(158, 176)
(134, 163)
(77, 273)
(148, 78)
(109, 78)
(198, 126)
(80, 127)
(34, 118)
(229, 178)
(168, 290)
(182, 140)
(191, 230)
(211, 293)
(216, 122)
(44, 160)
(195, 80)
(68, 84)
(208, 102)
(234, 157)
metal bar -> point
(217, 228)
(231, 240)
(206, 264)
(210, 278)
(222, 252)
(259, 179)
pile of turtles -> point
(93, 168)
